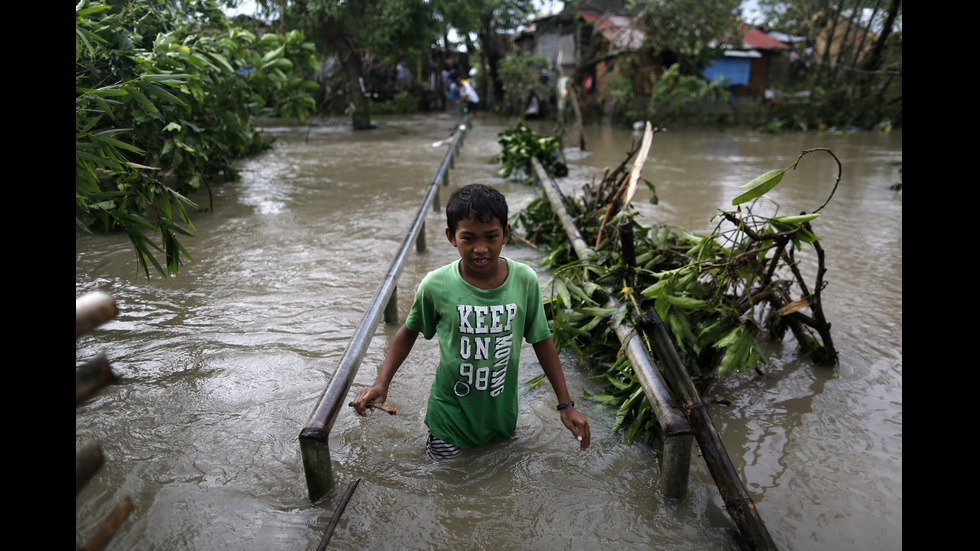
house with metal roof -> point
(575, 41)
(758, 62)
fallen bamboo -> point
(109, 526)
(336, 515)
(88, 461)
(675, 428)
(92, 376)
(739, 505)
(737, 501)
(92, 310)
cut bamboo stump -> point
(88, 461)
(92, 376)
(91, 311)
(104, 533)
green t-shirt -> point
(473, 399)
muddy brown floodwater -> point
(222, 366)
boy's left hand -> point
(578, 424)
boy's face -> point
(479, 243)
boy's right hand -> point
(368, 395)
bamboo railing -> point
(91, 311)
(674, 427)
(314, 438)
(678, 424)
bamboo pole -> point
(88, 461)
(92, 310)
(109, 526)
(92, 376)
(676, 429)
(737, 500)
(336, 515)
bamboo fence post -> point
(391, 309)
(88, 461)
(109, 526)
(420, 241)
(92, 310)
(92, 376)
(676, 429)
(737, 500)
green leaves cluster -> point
(520, 144)
(694, 30)
(520, 78)
(849, 73)
(673, 93)
(164, 100)
(716, 294)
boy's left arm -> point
(570, 417)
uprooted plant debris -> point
(717, 295)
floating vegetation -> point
(519, 145)
(717, 295)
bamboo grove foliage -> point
(164, 101)
(847, 71)
(521, 144)
(520, 78)
(400, 31)
(673, 97)
(718, 295)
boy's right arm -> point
(401, 345)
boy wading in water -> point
(482, 308)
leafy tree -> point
(352, 29)
(396, 29)
(520, 78)
(673, 94)
(483, 19)
(164, 98)
(692, 30)
(678, 35)
(497, 15)
(851, 65)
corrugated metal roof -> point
(741, 53)
(616, 29)
(785, 38)
(758, 40)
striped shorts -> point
(440, 449)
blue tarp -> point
(735, 69)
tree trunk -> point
(489, 69)
(873, 63)
(827, 71)
(847, 53)
(350, 58)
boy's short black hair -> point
(481, 202)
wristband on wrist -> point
(565, 405)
